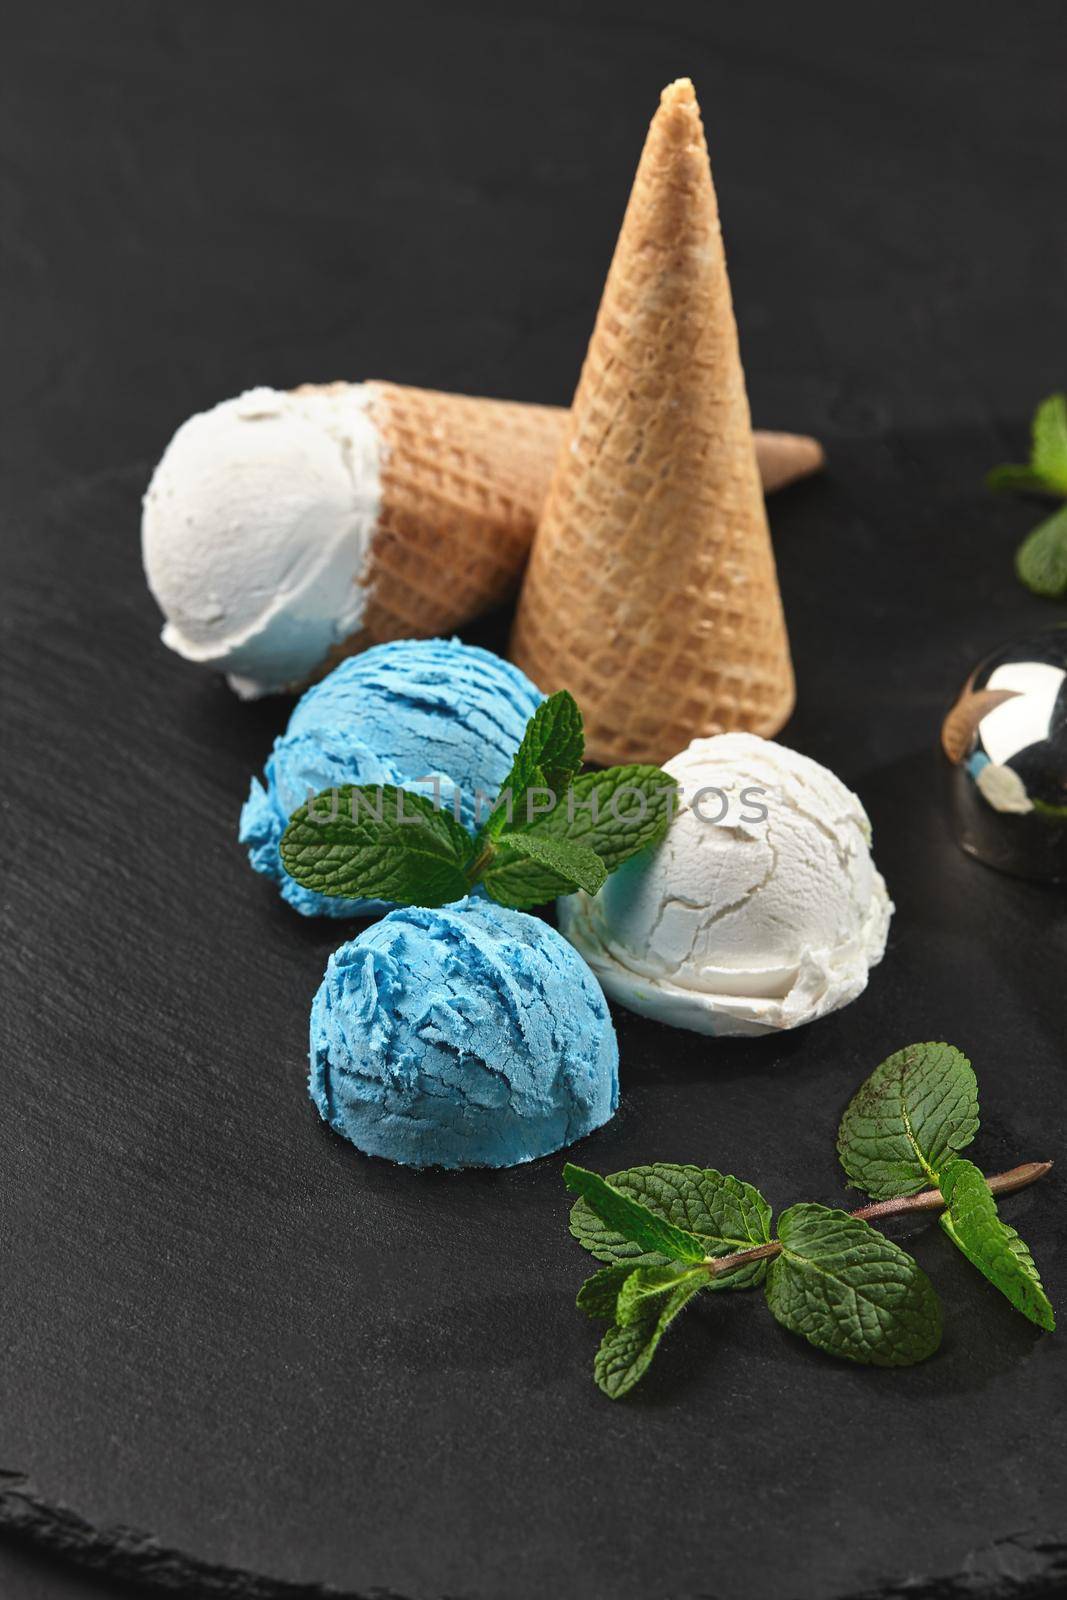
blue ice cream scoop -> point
(468, 1036)
(430, 715)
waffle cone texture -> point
(462, 483)
(651, 591)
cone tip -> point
(679, 93)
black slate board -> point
(283, 1365)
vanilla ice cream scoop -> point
(257, 527)
(285, 529)
(762, 909)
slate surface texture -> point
(288, 1369)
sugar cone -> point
(651, 591)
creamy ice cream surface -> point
(256, 532)
(761, 910)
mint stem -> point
(928, 1200)
(933, 1200)
(479, 864)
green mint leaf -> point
(625, 1353)
(605, 816)
(1048, 451)
(616, 813)
(1020, 480)
(723, 1213)
(972, 1223)
(634, 1221)
(1041, 559)
(1047, 809)
(850, 1291)
(1046, 471)
(379, 843)
(599, 1294)
(547, 759)
(914, 1113)
(515, 880)
(574, 863)
(645, 1285)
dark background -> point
(219, 1325)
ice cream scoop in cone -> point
(651, 591)
(283, 530)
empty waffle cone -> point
(651, 591)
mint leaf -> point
(515, 880)
(1048, 451)
(574, 864)
(625, 1353)
(616, 813)
(972, 1223)
(724, 1214)
(1047, 809)
(599, 1294)
(1046, 471)
(1041, 559)
(634, 1221)
(377, 842)
(1020, 480)
(644, 1285)
(548, 758)
(913, 1114)
(851, 1292)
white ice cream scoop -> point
(284, 529)
(762, 908)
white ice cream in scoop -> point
(257, 526)
(762, 908)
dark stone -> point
(286, 1366)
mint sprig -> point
(548, 832)
(829, 1277)
(1041, 559)
(666, 1233)
(904, 1129)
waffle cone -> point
(463, 481)
(783, 458)
(651, 591)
